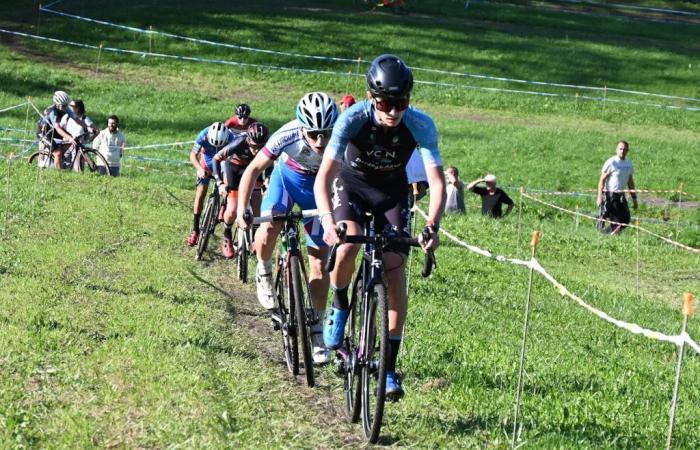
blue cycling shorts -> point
(287, 188)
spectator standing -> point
(615, 177)
(110, 144)
(455, 191)
(492, 197)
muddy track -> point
(325, 399)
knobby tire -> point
(353, 386)
(303, 329)
(207, 225)
(375, 349)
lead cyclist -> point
(369, 149)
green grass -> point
(114, 337)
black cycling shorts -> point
(353, 196)
(233, 174)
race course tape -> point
(13, 107)
(335, 73)
(359, 60)
(630, 225)
(678, 340)
(173, 144)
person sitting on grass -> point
(492, 197)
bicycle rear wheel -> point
(90, 160)
(287, 320)
(352, 385)
(42, 159)
(374, 355)
(207, 225)
(242, 256)
(304, 330)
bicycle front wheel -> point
(374, 356)
(207, 225)
(41, 158)
(352, 384)
(304, 330)
(286, 315)
(90, 160)
(242, 256)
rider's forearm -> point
(438, 196)
(322, 188)
(64, 134)
(245, 188)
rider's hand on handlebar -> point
(222, 189)
(241, 220)
(432, 242)
(330, 232)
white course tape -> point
(629, 225)
(335, 73)
(13, 107)
(174, 144)
(359, 60)
(535, 265)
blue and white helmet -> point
(217, 134)
(317, 111)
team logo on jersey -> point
(372, 138)
(395, 140)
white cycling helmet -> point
(317, 111)
(217, 134)
(61, 98)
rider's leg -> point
(318, 278)
(199, 195)
(57, 158)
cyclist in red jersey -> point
(240, 120)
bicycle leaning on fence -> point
(294, 314)
(362, 359)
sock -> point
(195, 222)
(394, 344)
(228, 234)
(264, 267)
(340, 297)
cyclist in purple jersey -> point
(298, 149)
(368, 151)
(209, 141)
(229, 165)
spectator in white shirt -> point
(110, 143)
(615, 178)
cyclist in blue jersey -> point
(298, 149)
(368, 151)
(209, 141)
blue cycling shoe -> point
(334, 327)
(393, 391)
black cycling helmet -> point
(389, 77)
(258, 133)
(243, 111)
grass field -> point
(114, 337)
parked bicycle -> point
(294, 314)
(76, 157)
(365, 350)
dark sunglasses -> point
(386, 105)
(314, 134)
